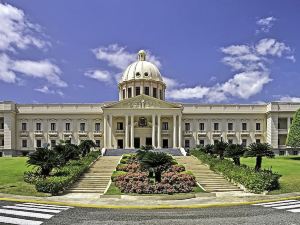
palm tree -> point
(156, 162)
(45, 159)
(67, 152)
(235, 151)
(259, 150)
(85, 146)
(219, 148)
(208, 149)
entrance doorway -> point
(165, 143)
(120, 144)
(137, 142)
(1, 154)
(148, 141)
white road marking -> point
(269, 203)
(281, 204)
(294, 210)
(57, 206)
(42, 207)
(288, 207)
(10, 220)
(26, 208)
(26, 214)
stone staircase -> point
(97, 178)
(208, 179)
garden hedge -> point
(65, 176)
(256, 182)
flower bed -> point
(256, 182)
(131, 177)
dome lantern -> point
(142, 55)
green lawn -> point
(11, 177)
(288, 167)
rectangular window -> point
(230, 126)
(129, 93)
(97, 143)
(281, 152)
(257, 126)
(230, 141)
(38, 143)
(2, 126)
(160, 94)
(38, 126)
(147, 91)
(154, 92)
(295, 152)
(282, 123)
(201, 126)
(120, 126)
(53, 143)
(137, 91)
(257, 140)
(165, 126)
(244, 126)
(53, 126)
(82, 126)
(216, 141)
(186, 143)
(67, 126)
(201, 142)
(24, 143)
(123, 93)
(2, 142)
(187, 126)
(216, 126)
(97, 127)
(244, 142)
(24, 126)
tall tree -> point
(85, 146)
(235, 151)
(293, 139)
(259, 150)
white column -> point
(153, 131)
(105, 132)
(126, 132)
(158, 132)
(110, 132)
(132, 132)
(174, 132)
(179, 132)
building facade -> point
(142, 116)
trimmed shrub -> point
(256, 182)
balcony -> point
(1, 131)
(53, 133)
(216, 133)
(82, 133)
(283, 131)
(1, 146)
(67, 133)
(245, 133)
(24, 133)
(187, 133)
(164, 132)
(202, 133)
(97, 133)
(231, 133)
(258, 133)
(38, 133)
(120, 132)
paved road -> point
(279, 213)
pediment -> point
(143, 102)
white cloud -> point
(188, 93)
(265, 24)
(17, 33)
(100, 75)
(46, 90)
(171, 83)
(289, 99)
(272, 47)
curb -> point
(166, 206)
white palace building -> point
(143, 117)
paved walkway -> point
(97, 178)
(208, 179)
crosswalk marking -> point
(10, 220)
(33, 209)
(269, 203)
(288, 205)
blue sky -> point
(222, 51)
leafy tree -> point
(67, 152)
(235, 151)
(219, 148)
(259, 150)
(85, 147)
(156, 162)
(293, 139)
(45, 159)
(208, 149)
